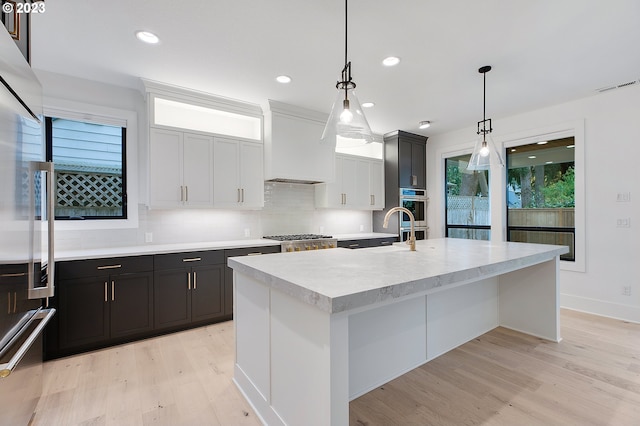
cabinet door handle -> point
(186, 193)
(113, 291)
(242, 195)
(188, 280)
(100, 268)
(414, 180)
(238, 194)
(181, 193)
(15, 302)
(106, 298)
(195, 280)
(192, 259)
(8, 302)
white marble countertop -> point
(80, 254)
(340, 280)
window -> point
(90, 166)
(467, 200)
(541, 193)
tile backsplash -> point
(288, 209)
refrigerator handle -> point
(44, 315)
(48, 290)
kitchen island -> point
(317, 329)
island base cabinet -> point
(267, 368)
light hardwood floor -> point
(501, 378)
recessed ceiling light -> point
(147, 37)
(391, 61)
(531, 156)
(542, 142)
(284, 79)
(368, 105)
(424, 124)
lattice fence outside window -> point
(82, 193)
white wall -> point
(611, 149)
(289, 208)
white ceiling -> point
(543, 52)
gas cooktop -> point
(297, 237)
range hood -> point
(292, 149)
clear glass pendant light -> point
(484, 151)
(347, 126)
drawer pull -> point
(254, 254)
(100, 268)
(19, 274)
(354, 245)
(192, 259)
(386, 243)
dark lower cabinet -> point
(367, 242)
(97, 309)
(100, 302)
(193, 292)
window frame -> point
(79, 111)
(448, 226)
(573, 129)
(48, 134)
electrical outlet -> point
(626, 290)
(623, 223)
(148, 237)
(623, 197)
(247, 232)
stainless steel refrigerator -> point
(26, 236)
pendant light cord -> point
(345, 32)
(484, 103)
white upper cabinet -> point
(358, 185)
(180, 169)
(292, 146)
(237, 174)
(204, 151)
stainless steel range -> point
(302, 242)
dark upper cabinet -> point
(412, 157)
(405, 158)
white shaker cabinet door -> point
(226, 173)
(349, 173)
(251, 175)
(165, 169)
(198, 170)
(363, 199)
(376, 184)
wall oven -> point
(414, 200)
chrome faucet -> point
(412, 236)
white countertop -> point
(63, 255)
(159, 248)
(340, 280)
